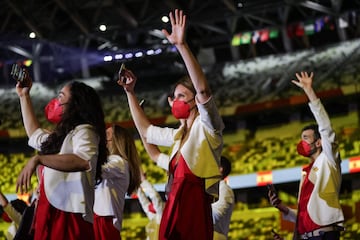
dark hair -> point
(226, 166)
(84, 107)
(123, 144)
(19, 205)
(315, 128)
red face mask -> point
(180, 109)
(304, 148)
(54, 110)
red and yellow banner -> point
(354, 164)
(263, 178)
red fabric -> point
(187, 213)
(6, 217)
(151, 208)
(305, 224)
(104, 228)
(51, 223)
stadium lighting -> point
(129, 55)
(102, 27)
(139, 54)
(119, 56)
(32, 35)
(150, 52)
(108, 58)
(165, 19)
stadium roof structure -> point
(67, 41)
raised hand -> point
(22, 78)
(273, 197)
(304, 80)
(127, 80)
(178, 23)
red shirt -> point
(304, 222)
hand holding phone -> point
(276, 235)
(271, 188)
(274, 198)
(121, 73)
(20, 75)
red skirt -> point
(104, 228)
(187, 213)
(51, 223)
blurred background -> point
(249, 50)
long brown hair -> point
(123, 144)
(83, 107)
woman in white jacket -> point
(121, 175)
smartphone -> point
(17, 72)
(121, 72)
(271, 188)
(21, 75)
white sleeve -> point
(154, 196)
(291, 216)
(161, 136)
(163, 161)
(328, 138)
(37, 138)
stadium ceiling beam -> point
(256, 27)
(336, 4)
(36, 61)
(317, 7)
(19, 50)
(145, 6)
(284, 16)
(211, 28)
(75, 18)
(261, 19)
(27, 22)
(230, 5)
(124, 12)
(5, 21)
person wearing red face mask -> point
(319, 214)
(69, 161)
(54, 110)
(194, 161)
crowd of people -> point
(85, 170)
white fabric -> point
(324, 205)
(147, 190)
(110, 193)
(203, 148)
(222, 210)
(72, 191)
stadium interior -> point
(251, 81)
